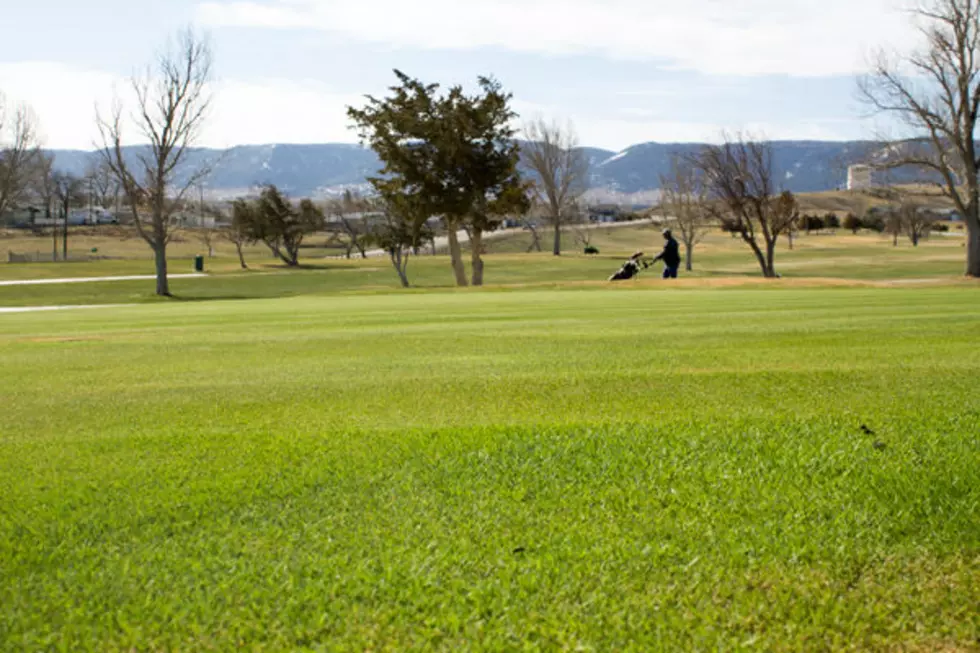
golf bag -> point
(630, 268)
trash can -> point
(199, 264)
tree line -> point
(454, 155)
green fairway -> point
(526, 470)
(833, 256)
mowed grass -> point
(534, 470)
(841, 256)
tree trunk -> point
(64, 240)
(759, 255)
(477, 252)
(789, 234)
(689, 257)
(54, 241)
(163, 284)
(456, 255)
(535, 245)
(973, 249)
(770, 271)
(557, 249)
(400, 262)
(241, 256)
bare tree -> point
(916, 221)
(530, 222)
(584, 234)
(561, 171)
(935, 92)
(741, 191)
(103, 185)
(349, 211)
(68, 190)
(43, 184)
(893, 224)
(685, 205)
(20, 153)
(171, 106)
(208, 236)
(238, 234)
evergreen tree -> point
(453, 155)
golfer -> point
(671, 256)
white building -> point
(859, 177)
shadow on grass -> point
(190, 299)
(306, 267)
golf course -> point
(315, 460)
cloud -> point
(717, 37)
(273, 110)
(62, 98)
(259, 111)
(621, 127)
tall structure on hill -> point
(859, 177)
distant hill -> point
(322, 170)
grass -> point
(534, 469)
(864, 257)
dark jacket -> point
(671, 256)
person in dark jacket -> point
(671, 256)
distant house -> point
(91, 215)
(604, 213)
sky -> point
(620, 72)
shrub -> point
(813, 223)
(591, 250)
(874, 222)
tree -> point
(68, 190)
(813, 223)
(530, 221)
(103, 186)
(207, 236)
(561, 172)
(277, 222)
(400, 230)
(172, 101)
(354, 226)
(893, 224)
(20, 153)
(935, 92)
(454, 154)
(852, 223)
(917, 222)
(238, 234)
(44, 185)
(739, 179)
(685, 205)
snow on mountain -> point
(324, 170)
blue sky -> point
(622, 71)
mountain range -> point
(324, 170)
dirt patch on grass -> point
(742, 282)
